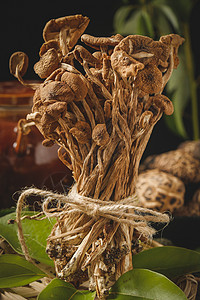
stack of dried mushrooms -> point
(101, 116)
(170, 181)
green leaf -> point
(162, 24)
(61, 290)
(145, 284)
(35, 233)
(168, 260)
(179, 92)
(6, 211)
(121, 16)
(145, 24)
(16, 271)
(181, 8)
(131, 26)
(168, 12)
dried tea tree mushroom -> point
(174, 41)
(159, 190)
(18, 63)
(100, 134)
(66, 30)
(163, 103)
(103, 43)
(149, 80)
(48, 63)
(52, 44)
(102, 119)
(145, 49)
(125, 65)
(178, 163)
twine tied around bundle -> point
(124, 211)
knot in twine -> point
(123, 211)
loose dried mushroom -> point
(159, 190)
(177, 162)
(102, 119)
(191, 147)
(18, 63)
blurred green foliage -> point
(154, 18)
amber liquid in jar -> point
(34, 165)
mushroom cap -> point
(74, 25)
(82, 132)
(177, 162)
(81, 54)
(18, 60)
(49, 45)
(175, 41)
(149, 79)
(77, 85)
(144, 49)
(159, 190)
(164, 103)
(124, 64)
(191, 147)
(98, 42)
(48, 63)
(100, 135)
(55, 91)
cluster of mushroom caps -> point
(138, 60)
(101, 114)
(170, 181)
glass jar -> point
(24, 161)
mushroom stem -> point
(63, 43)
(105, 92)
(169, 71)
(33, 86)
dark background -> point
(22, 23)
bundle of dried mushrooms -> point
(102, 118)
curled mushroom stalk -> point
(102, 119)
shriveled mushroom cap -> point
(98, 42)
(49, 45)
(149, 79)
(81, 131)
(74, 26)
(178, 163)
(77, 85)
(144, 49)
(100, 135)
(175, 41)
(18, 63)
(124, 64)
(48, 63)
(164, 103)
(159, 190)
